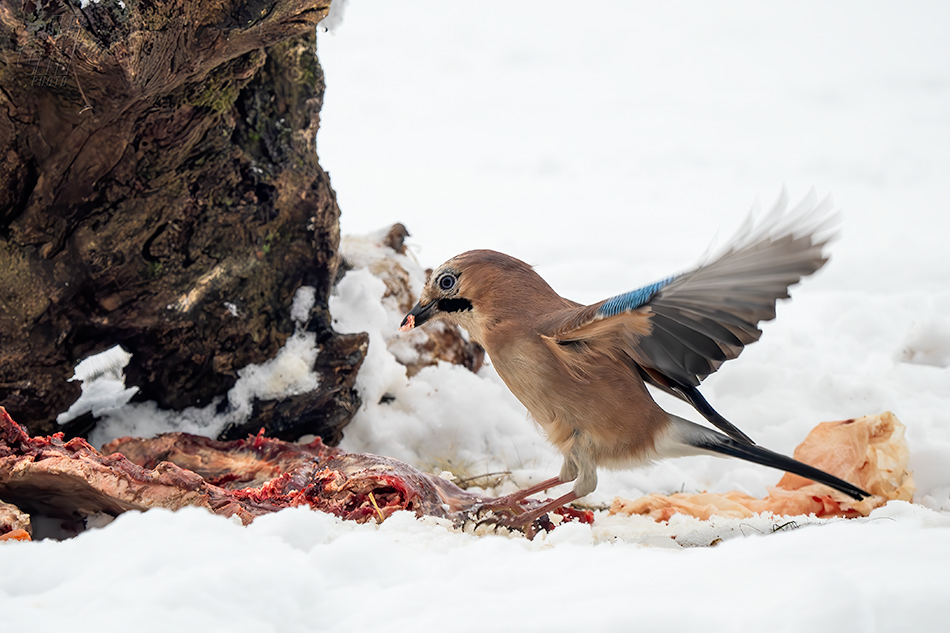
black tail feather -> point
(692, 396)
(765, 457)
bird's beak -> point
(419, 315)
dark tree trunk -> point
(159, 189)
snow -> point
(608, 144)
(288, 373)
(305, 571)
(446, 417)
(334, 17)
(103, 384)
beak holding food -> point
(419, 315)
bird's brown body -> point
(581, 371)
(600, 415)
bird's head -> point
(476, 290)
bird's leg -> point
(578, 466)
(511, 502)
(526, 521)
(569, 472)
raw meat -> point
(243, 478)
(13, 520)
(869, 451)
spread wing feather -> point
(681, 329)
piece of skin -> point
(581, 371)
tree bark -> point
(159, 189)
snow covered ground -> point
(607, 143)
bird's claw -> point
(529, 523)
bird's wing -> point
(681, 329)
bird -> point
(582, 371)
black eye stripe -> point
(454, 305)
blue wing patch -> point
(631, 300)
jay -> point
(582, 370)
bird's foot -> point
(529, 516)
(529, 523)
(513, 504)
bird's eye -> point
(447, 281)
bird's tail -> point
(688, 438)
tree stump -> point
(159, 189)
